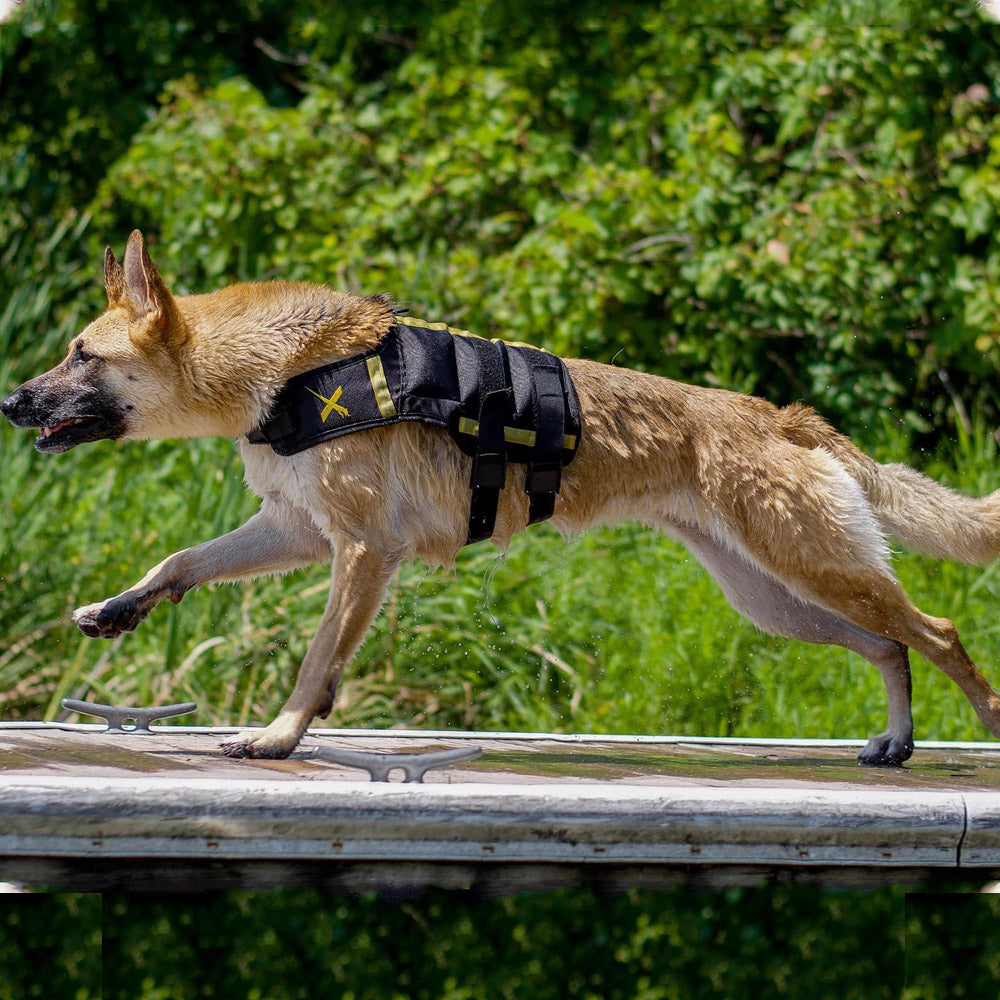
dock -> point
(92, 810)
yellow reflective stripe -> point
(380, 387)
(512, 435)
(518, 343)
(424, 325)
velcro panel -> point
(428, 375)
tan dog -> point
(786, 514)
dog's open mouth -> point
(69, 433)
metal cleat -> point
(413, 765)
(116, 717)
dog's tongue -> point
(49, 431)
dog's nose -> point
(9, 404)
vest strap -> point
(489, 460)
(544, 474)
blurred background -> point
(796, 199)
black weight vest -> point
(500, 402)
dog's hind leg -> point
(816, 533)
(878, 604)
(276, 539)
(770, 606)
(801, 518)
(361, 577)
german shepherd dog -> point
(786, 514)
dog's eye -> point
(82, 356)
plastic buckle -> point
(545, 477)
(489, 471)
(277, 426)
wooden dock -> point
(86, 809)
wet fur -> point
(784, 512)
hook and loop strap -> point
(545, 467)
(489, 459)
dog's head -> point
(120, 373)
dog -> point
(787, 515)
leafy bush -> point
(765, 943)
(50, 947)
(802, 207)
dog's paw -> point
(108, 619)
(886, 750)
(256, 744)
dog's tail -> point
(927, 517)
(913, 510)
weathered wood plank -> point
(76, 799)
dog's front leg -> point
(276, 539)
(361, 577)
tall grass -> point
(617, 631)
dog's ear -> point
(114, 278)
(145, 291)
(146, 294)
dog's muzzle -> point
(65, 421)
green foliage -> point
(802, 205)
(77, 78)
(952, 947)
(742, 944)
(50, 947)
(797, 199)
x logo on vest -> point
(331, 404)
